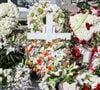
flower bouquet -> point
(51, 62)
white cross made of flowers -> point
(48, 31)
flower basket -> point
(67, 86)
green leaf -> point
(69, 79)
(52, 82)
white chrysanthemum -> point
(7, 72)
(22, 76)
(81, 31)
(9, 15)
(37, 15)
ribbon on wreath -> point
(94, 55)
(89, 55)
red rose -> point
(88, 26)
(76, 39)
(86, 87)
(95, 7)
(39, 61)
(94, 34)
(76, 52)
(98, 87)
(83, 42)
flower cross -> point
(48, 31)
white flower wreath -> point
(84, 25)
(37, 16)
(9, 15)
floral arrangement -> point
(15, 78)
(54, 62)
(10, 55)
(84, 25)
(88, 74)
(88, 81)
(37, 19)
(51, 62)
(8, 18)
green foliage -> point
(69, 79)
(83, 5)
(52, 82)
(95, 41)
(98, 2)
(97, 71)
(12, 58)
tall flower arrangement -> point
(85, 26)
